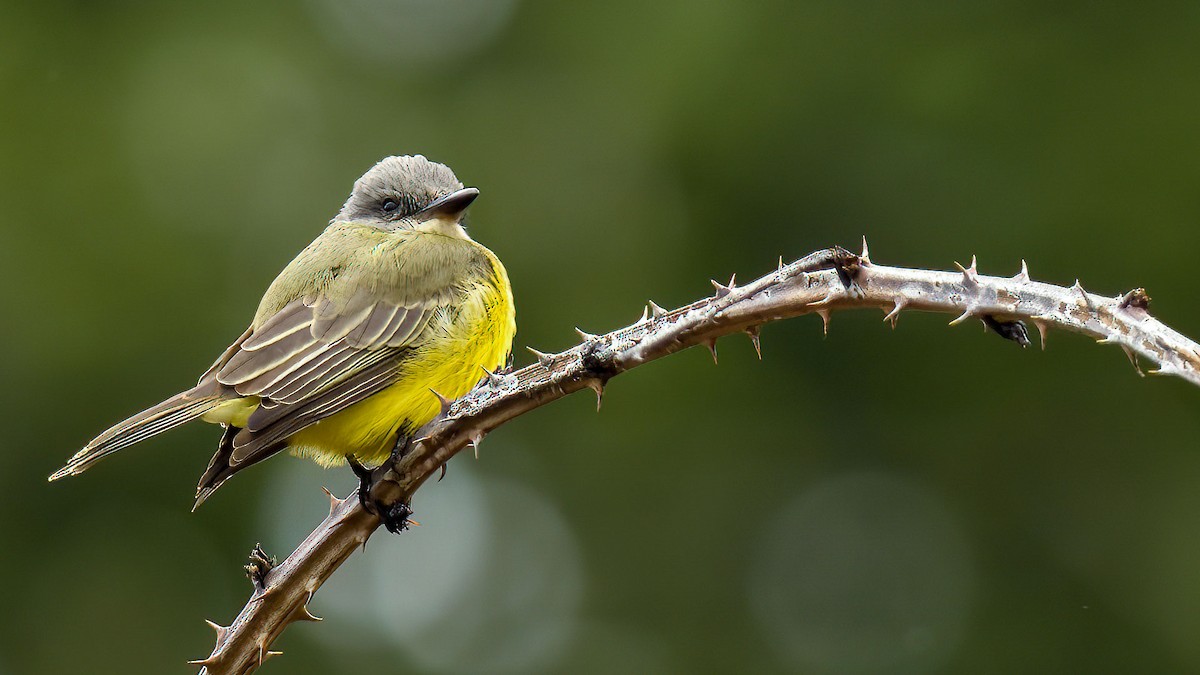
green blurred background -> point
(919, 501)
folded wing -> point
(314, 358)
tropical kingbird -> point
(392, 302)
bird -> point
(353, 346)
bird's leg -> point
(394, 516)
(364, 484)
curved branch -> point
(819, 283)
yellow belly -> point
(447, 361)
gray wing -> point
(312, 359)
(309, 346)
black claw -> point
(1009, 330)
(395, 519)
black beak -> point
(450, 207)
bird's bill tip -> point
(451, 206)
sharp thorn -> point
(722, 289)
(1133, 359)
(752, 331)
(333, 500)
(645, 316)
(263, 652)
(969, 275)
(1164, 369)
(443, 472)
(493, 379)
(597, 386)
(584, 335)
(779, 271)
(476, 439)
(865, 256)
(1023, 275)
(218, 629)
(655, 310)
(1043, 329)
(963, 317)
(444, 402)
(203, 663)
(303, 614)
(546, 360)
(825, 316)
(1078, 287)
(712, 348)
(895, 313)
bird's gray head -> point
(406, 192)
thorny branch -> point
(820, 283)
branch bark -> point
(820, 283)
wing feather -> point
(287, 322)
(332, 322)
(369, 330)
(248, 443)
(411, 326)
(314, 376)
(341, 339)
(281, 370)
(267, 362)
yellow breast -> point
(458, 341)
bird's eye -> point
(389, 206)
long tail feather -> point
(169, 414)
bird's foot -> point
(838, 259)
(846, 264)
(259, 566)
(1009, 330)
(395, 516)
